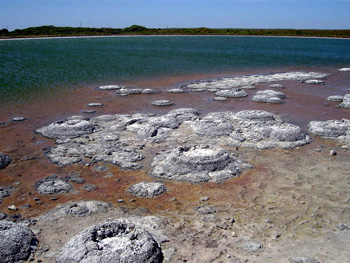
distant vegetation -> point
(52, 31)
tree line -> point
(53, 31)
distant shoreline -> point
(169, 35)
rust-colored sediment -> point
(303, 104)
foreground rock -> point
(112, 241)
(269, 96)
(52, 186)
(346, 102)
(121, 139)
(331, 129)
(5, 161)
(196, 163)
(16, 242)
(228, 83)
(80, 209)
(147, 189)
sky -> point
(297, 14)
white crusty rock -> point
(111, 87)
(78, 209)
(256, 129)
(16, 242)
(69, 128)
(196, 164)
(344, 69)
(112, 241)
(331, 129)
(269, 96)
(346, 102)
(313, 81)
(147, 189)
(335, 98)
(161, 103)
(228, 83)
(52, 186)
(233, 93)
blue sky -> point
(315, 14)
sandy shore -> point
(291, 203)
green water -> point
(35, 68)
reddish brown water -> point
(303, 104)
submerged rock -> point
(5, 161)
(344, 69)
(16, 242)
(17, 119)
(147, 189)
(80, 209)
(220, 98)
(233, 93)
(175, 91)
(125, 91)
(196, 163)
(269, 96)
(276, 86)
(313, 81)
(94, 104)
(335, 98)
(227, 83)
(52, 185)
(346, 102)
(331, 129)
(110, 87)
(112, 241)
(162, 103)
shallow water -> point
(37, 68)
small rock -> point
(12, 208)
(251, 247)
(175, 91)
(335, 98)
(343, 227)
(5, 161)
(149, 91)
(89, 187)
(248, 87)
(26, 206)
(313, 81)
(204, 198)
(205, 210)
(19, 119)
(110, 87)
(344, 69)
(220, 98)
(162, 103)
(147, 189)
(318, 150)
(276, 86)
(94, 104)
(88, 111)
(120, 201)
(332, 152)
